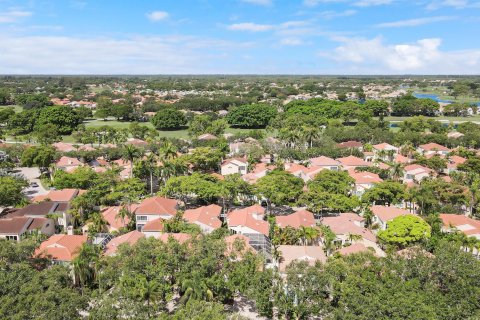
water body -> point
(435, 97)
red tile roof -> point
(344, 224)
(350, 144)
(61, 247)
(388, 213)
(110, 214)
(157, 206)
(464, 224)
(131, 238)
(310, 254)
(64, 195)
(352, 161)
(155, 225)
(354, 248)
(364, 177)
(244, 217)
(302, 218)
(323, 161)
(207, 215)
(67, 162)
(180, 237)
(433, 147)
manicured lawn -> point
(442, 118)
(15, 107)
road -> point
(32, 175)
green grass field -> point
(15, 107)
(442, 118)
(440, 92)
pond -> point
(435, 97)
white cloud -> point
(372, 56)
(371, 3)
(12, 16)
(314, 3)
(437, 4)
(251, 27)
(259, 2)
(291, 42)
(157, 15)
(328, 15)
(134, 55)
(414, 22)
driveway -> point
(32, 175)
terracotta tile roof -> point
(155, 225)
(180, 237)
(63, 147)
(433, 147)
(230, 240)
(384, 146)
(344, 224)
(207, 215)
(416, 169)
(401, 159)
(295, 167)
(364, 177)
(302, 218)
(352, 161)
(207, 136)
(61, 247)
(388, 213)
(383, 166)
(68, 162)
(244, 217)
(131, 238)
(323, 161)
(310, 254)
(64, 195)
(464, 224)
(157, 206)
(235, 161)
(354, 248)
(350, 144)
(110, 214)
(136, 142)
(15, 225)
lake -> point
(434, 97)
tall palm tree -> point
(195, 288)
(354, 237)
(311, 134)
(151, 162)
(130, 153)
(97, 223)
(168, 151)
(85, 265)
(396, 171)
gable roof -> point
(364, 177)
(61, 247)
(155, 225)
(207, 215)
(352, 161)
(131, 238)
(323, 161)
(15, 225)
(417, 169)
(37, 209)
(235, 161)
(388, 213)
(157, 206)
(64, 195)
(464, 224)
(384, 146)
(433, 147)
(344, 224)
(67, 162)
(311, 254)
(302, 218)
(111, 216)
(244, 217)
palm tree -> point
(85, 265)
(396, 171)
(168, 151)
(130, 153)
(354, 237)
(151, 162)
(308, 234)
(407, 149)
(311, 134)
(196, 289)
(97, 223)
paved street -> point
(32, 175)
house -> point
(346, 225)
(16, 227)
(64, 195)
(128, 238)
(297, 170)
(401, 159)
(453, 163)
(433, 148)
(415, 172)
(137, 142)
(298, 219)
(310, 254)
(352, 162)
(154, 208)
(260, 170)
(385, 151)
(153, 228)
(383, 214)
(64, 147)
(249, 222)
(113, 218)
(207, 217)
(364, 180)
(234, 166)
(67, 163)
(352, 249)
(61, 248)
(325, 163)
(457, 222)
(238, 239)
(47, 210)
(179, 237)
(350, 145)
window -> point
(142, 218)
(12, 238)
(140, 227)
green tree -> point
(251, 116)
(63, 117)
(385, 193)
(279, 187)
(405, 230)
(11, 190)
(169, 119)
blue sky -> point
(239, 37)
